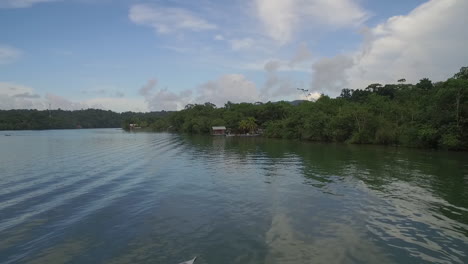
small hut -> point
(218, 131)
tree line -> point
(426, 115)
(62, 119)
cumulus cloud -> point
(119, 104)
(299, 62)
(428, 42)
(330, 74)
(314, 96)
(273, 65)
(230, 87)
(10, 102)
(22, 3)
(271, 68)
(8, 54)
(12, 89)
(301, 55)
(56, 102)
(283, 18)
(275, 85)
(168, 19)
(148, 87)
(15, 96)
(163, 99)
(420, 44)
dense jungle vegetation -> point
(427, 115)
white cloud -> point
(15, 96)
(163, 99)
(242, 44)
(279, 18)
(314, 96)
(22, 3)
(273, 65)
(428, 42)
(8, 103)
(301, 55)
(167, 19)
(230, 87)
(11, 89)
(330, 74)
(56, 102)
(283, 18)
(146, 89)
(279, 86)
(8, 54)
(118, 104)
(218, 37)
(276, 86)
(299, 62)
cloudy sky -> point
(161, 55)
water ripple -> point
(88, 196)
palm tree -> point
(248, 125)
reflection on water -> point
(333, 243)
(62, 253)
(106, 196)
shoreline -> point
(149, 130)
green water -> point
(107, 196)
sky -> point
(132, 55)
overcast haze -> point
(130, 55)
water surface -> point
(107, 196)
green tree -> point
(425, 84)
(248, 125)
(462, 74)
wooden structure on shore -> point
(218, 131)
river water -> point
(108, 196)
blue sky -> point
(153, 55)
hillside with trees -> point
(426, 115)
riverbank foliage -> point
(61, 119)
(426, 114)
